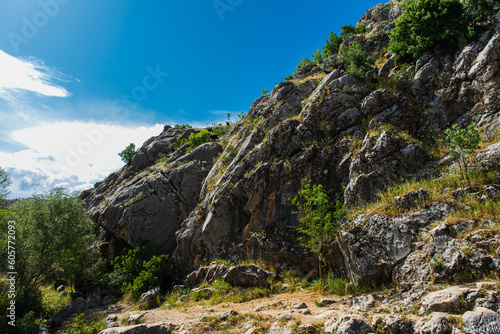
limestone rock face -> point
(230, 198)
(374, 245)
(133, 207)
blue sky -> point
(79, 80)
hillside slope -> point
(229, 198)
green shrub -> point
(332, 45)
(127, 154)
(358, 61)
(478, 12)
(80, 326)
(331, 285)
(463, 145)
(426, 24)
(195, 139)
(140, 270)
(27, 324)
(320, 222)
(265, 92)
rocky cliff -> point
(229, 198)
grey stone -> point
(244, 275)
(348, 324)
(135, 318)
(363, 302)
(437, 324)
(77, 306)
(448, 300)
(156, 328)
(148, 299)
(481, 321)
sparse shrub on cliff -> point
(358, 61)
(463, 145)
(426, 24)
(195, 139)
(127, 154)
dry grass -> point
(440, 192)
(213, 324)
(317, 76)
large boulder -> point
(348, 324)
(481, 321)
(157, 328)
(437, 324)
(246, 275)
(448, 300)
(77, 306)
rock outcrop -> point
(230, 198)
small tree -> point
(321, 220)
(265, 92)
(463, 143)
(127, 153)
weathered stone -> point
(395, 324)
(348, 324)
(135, 318)
(244, 275)
(437, 324)
(307, 329)
(481, 321)
(373, 245)
(75, 307)
(363, 302)
(226, 315)
(448, 300)
(148, 299)
(157, 328)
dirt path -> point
(189, 316)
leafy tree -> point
(346, 30)
(426, 24)
(463, 144)
(53, 238)
(265, 92)
(5, 182)
(321, 218)
(127, 153)
(332, 45)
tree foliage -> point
(140, 270)
(5, 182)
(358, 61)
(53, 239)
(463, 144)
(127, 154)
(195, 139)
(426, 24)
(320, 218)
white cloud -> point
(17, 75)
(71, 154)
